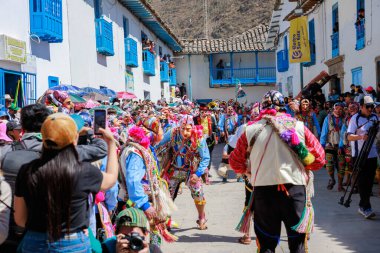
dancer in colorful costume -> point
(189, 158)
(330, 138)
(228, 122)
(281, 151)
(144, 187)
(308, 117)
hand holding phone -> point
(100, 119)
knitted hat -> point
(132, 217)
(272, 99)
(58, 131)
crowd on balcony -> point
(149, 45)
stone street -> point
(337, 229)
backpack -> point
(11, 164)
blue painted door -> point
(2, 88)
(29, 89)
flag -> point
(299, 41)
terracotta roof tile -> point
(251, 40)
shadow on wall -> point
(146, 79)
(41, 49)
(101, 59)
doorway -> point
(12, 85)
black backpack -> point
(10, 165)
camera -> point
(136, 242)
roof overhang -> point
(306, 6)
(142, 10)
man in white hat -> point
(8, 100)
(357, 133)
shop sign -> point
(12, 49)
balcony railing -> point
(283, 60)
(335, 44)
(173, 77)
(148, 63)
(46, 20)
(246, 76)
(104, 37)
(164, 71)
(312, 56)
(131, 58)
(360, 35)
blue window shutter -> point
(286, 43)
(360, 4)
(97, 8)
(335, 17)
(30, 89)
(2, 87)
(53, 81)
(357, 76)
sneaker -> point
(368, 213)
(240, 180)
(224, 180)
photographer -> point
(357, 134)
(132, 234)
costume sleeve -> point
(316, 124)
(135, 172)
(314, 148)
(205, 158)
(221, 123)
(342, 135)
(237, 158)
(325, 131)
(165, 139)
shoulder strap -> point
(254, 138)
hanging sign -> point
(12, 49)
(299, 47)
(129, 81)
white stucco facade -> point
(195, 69)
(350, 58)
(75, 60)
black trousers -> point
(271, 207)
(365, 181)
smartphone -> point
(100, 119)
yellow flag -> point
(299, 41)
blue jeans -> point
(34, 242)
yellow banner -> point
(299, 47)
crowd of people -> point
(115, 191)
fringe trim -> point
(244, 225)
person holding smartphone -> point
(59, 175)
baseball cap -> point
(368, 100)
(8, 97)
(132, 217)
(4, 114)
(14, 107)
(58, 131)
(369, 89)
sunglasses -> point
(370, 106)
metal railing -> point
(228, 76)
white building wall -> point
(75, 60)
(364, 58)
(200, 79)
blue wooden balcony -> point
(282, 61)
(246, 76)
(335, 44)
(173, 77)
(312, 56)
(104, 37)
(360, 35)
(148, 63)
(131, 58)
(46, 20)
(164, 71)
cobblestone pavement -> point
(337, 229)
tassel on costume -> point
(166, 235)
(165, 205)
(244, 225)
(306, 223)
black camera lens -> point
(136, 242)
